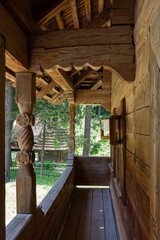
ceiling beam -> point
(42, 9)
(45, 89)
(118, 58)
(62, 79)
(88, 10)
(98, 96)
(74, 13)
(57, 7)
(97, 84)
(101, 20)
(100, 6)
(63, 98)
(83, 76)
(59, 21)
(56, 96)
(83, 37)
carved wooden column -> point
(2, 139)
(72, 128)
(26, 179)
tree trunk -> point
(8, 128)
(43, 145)
(86, 148)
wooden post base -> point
(26, 189)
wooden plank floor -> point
(90, 216)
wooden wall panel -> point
(138, 122)
(92, 171)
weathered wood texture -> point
(90, 215)
(86, 97)
(92, 171)
(46, 222)
(155, 129)
(16, 43)
(2, 138)
(113, 48)
(123, 12)
(21, 227)
(26, 179)
(142, 99)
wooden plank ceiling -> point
(38, 16)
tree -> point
(87, 129)
(8, 127)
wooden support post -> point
(2, 139)
(26, 179)
(72, 128)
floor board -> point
(90, 216)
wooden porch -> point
(87, 209)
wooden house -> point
(55, 144)
(104, 52)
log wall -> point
(92, 171)
(139, 112)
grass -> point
(44, 184)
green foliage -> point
(97, 145)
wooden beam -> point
(88, 10)
(45, 10)
(26, 178)
(62, 99)
(107, 78)
(45, 89)
(118, 58)
(101, 20)
(99, 96)
(83, 37)
(59, 21)
(83, 76)
(21, 12)
(72, 128)
(15, 41)
(97, 84)
(2, 138)
(113, 48)
(100, 6)
(74, 13)
(56, 96)
(62, 79)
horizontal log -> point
(118, 58)
(98, 96)
(83, 37)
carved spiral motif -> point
(23, 158)
(26, 139)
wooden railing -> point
(47, 222)
(49, 214)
